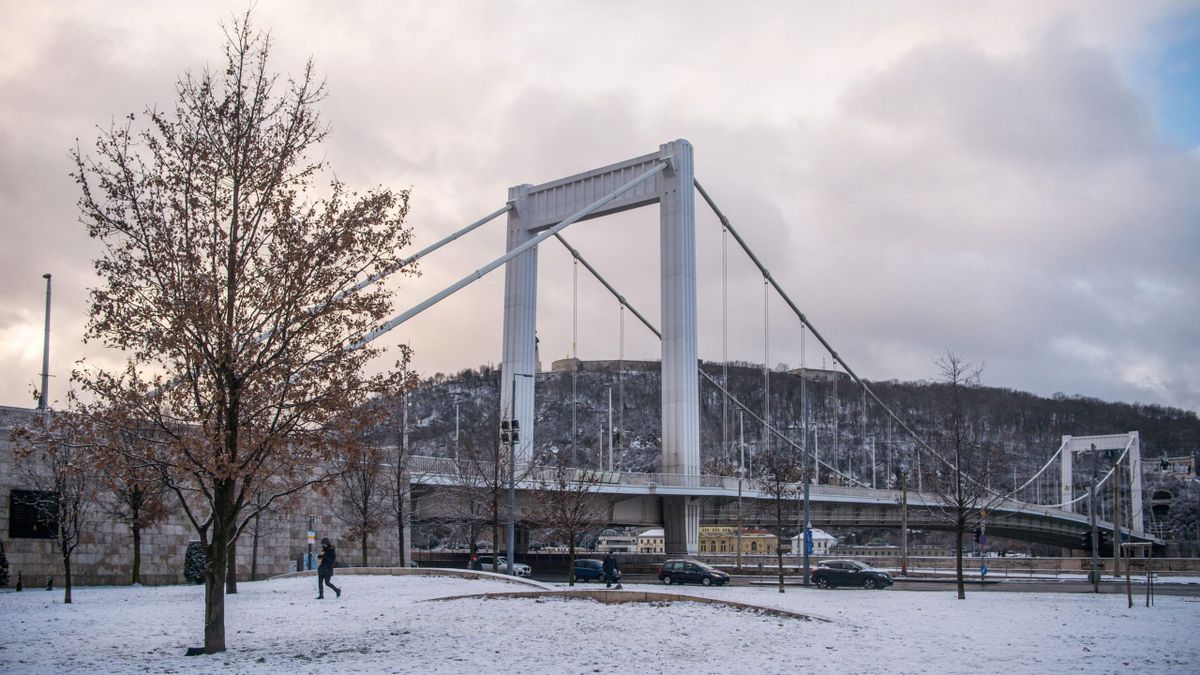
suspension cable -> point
(804, 320)
(712, 380)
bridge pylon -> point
(539, 207)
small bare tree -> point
(137, 495)
(56, 463)
(568, 505)
(958, 477)
(361, 493)
(778, 476)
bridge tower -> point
(539, 207)
(1131, 444)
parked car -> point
(590, 569)
(519, 569)
(831, 573)
(691, 572)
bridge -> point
(635, 499)
(680, 497)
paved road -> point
(947, 585)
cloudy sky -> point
(1016, 181)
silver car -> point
(519, 569)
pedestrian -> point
(327, 558)
(611, 571)
(474, 563)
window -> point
(32, 514)
(754, 546)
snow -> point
(382, 624)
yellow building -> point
(724, 539)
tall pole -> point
(43, 397)
(610, 430)
(807, 533)
(457, 401)
(512, 481)
(872, 463)
(1095, 532)
(903, 521)
(1117, 519)
(741, 476)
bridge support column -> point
(680, 381)
(681, 525)
(519, 365)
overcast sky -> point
(1016, 181)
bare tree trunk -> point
(254, 551)
(959, 533)
(363, 542)
(137, 555)
(67, 581)
(571, 560)
(779, 557)
(231, 569)
(214, 571)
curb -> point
(421, 572)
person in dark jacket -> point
(327, 558)
(611, 571)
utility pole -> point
(43, 397)
(903, 520)
(457, 401)
(1117, 518)
(741, 476)
(610, 430)
(510, 432)
(873, 464)
(1095, 532)
(806, 538)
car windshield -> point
(705, 567)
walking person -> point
(611, 572)
(327, 558)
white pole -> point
(610, 430)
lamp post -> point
(741, 477)
(43, 397)
(903, 520)
(513, 438)
(806, 538)
(610, 430)
(457, 401)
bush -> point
(194, 562)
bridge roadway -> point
(632, 498)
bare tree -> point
(778, 475)
(361, 493)
(138, 496)
(481, 486)
(568, 504)
(53, 452)
(958, 477)
(224, 279)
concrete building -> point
(105, 552)
(651, 541)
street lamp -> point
(511, 428)
(903, 471)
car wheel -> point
(822, 582)
(706, 581)
(870, 584)
(667, 580)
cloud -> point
(958, 176)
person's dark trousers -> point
(323, 580)
(608, 580)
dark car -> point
(833, 573)
(691, 572)
(590, 569)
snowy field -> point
(380, 624)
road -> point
(947, 585)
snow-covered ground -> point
(380, 624)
